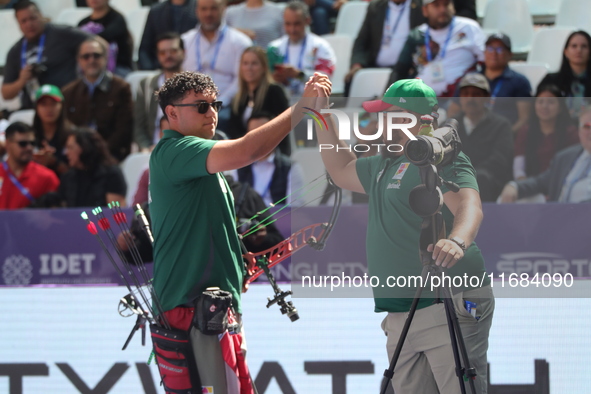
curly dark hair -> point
(175, 88)
(95, 151)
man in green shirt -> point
(426, 363)
(193, 219)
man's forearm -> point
(12, 89)
(467, 221)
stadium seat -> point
(10, 33)
(480, 8)
(534, 72)
(125, 6)
(136, 22)
(52, 8)
(544, 11)
(133, 167)
(574, 13)
(342, 46)
(548, 46)
(368, 83)
(135, 77)
(71, 16)
(350, 18)
(24, 115)
(9, 105)
(312, 167)
(513, 18)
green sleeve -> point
(460, 172)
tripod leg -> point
(389, 373)
(458, 344)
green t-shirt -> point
(193, 221)
(393, 229)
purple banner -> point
(53, 247)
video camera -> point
(439, 149)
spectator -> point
(7, 4)
(549, 130)
(110, 25)
(215, 48)
(568, 179)
(574, 76)
(94, 179)
(486, 137)
(294, 57)
(383, 34)
(260, 20)
(170, 15)
(442, 50)
(100, 100)
(256, 92)
(171, 53)
(504, 82)
(321, 11)
(51, 128)
(46, 54)
(22, 180)
(274, 176)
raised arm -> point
(233, 154)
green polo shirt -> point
(193, 221)
(393, 228)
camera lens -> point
(418, 151)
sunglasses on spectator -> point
(93, 55)
(498, 50)
(203, 106)
(25, 143)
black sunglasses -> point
(25, 143)
(203, 106)
(93, 55)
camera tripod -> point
(426, 201)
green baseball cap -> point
(410, 94)
(50, 91)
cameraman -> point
(426, 363)
(46, 54)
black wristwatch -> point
(459, 241)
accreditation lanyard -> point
(495, 93)
(403, 8)
(216, 50)
(39, 51)
(428, 42)
(302, 51)
(16, 183)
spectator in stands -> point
(442, 50)
(22, 180)
(215, 48)
(260, 20)
(568, 179)
(46, 54)
(486, 137)
(274, 176)
(170, 15)
(101, 100)
(574, 76)
(294, 57)
(94, 178)
(7, 4)
(383, 34)
(256, 92)
(171, 54)
(51, 128)
(549, 130)
(321, 11)
(504, 83)
(110, 25)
